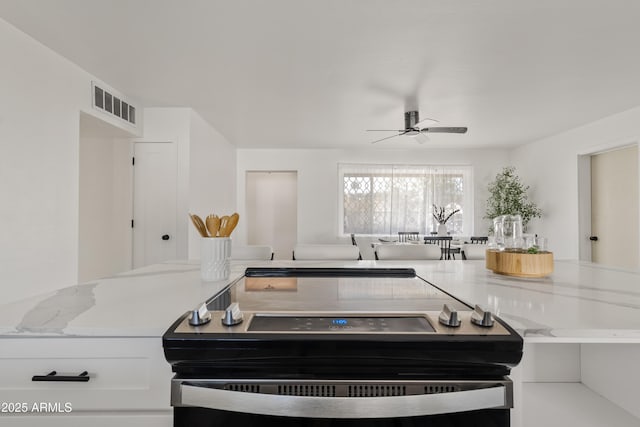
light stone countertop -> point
(579, 302)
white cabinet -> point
(127, 376)
(585, 384)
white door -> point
(154, 203)
(614, 208)
(272, 211)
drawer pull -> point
(83, 377)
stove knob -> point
(200, 316)
(449, 317)
(481, 317)
(232, 315)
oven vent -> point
(112, 104)
(366, 390)
(356, 389)
(245, 388)
(320, 390)
(440, 388)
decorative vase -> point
(442, 230)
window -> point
(385, 199)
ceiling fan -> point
(413, 127)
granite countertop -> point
(579, 302)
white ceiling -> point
(302, 73)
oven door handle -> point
(495, 397)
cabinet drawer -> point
(124, 373)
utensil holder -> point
(214, 258)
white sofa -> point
(248, 253)
(408, 252)
(325, 252)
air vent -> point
(245, 388)
(376, 390)
(440, 388)
(113, 105)
(323, 390)
(350, 389)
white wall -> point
(271, 204)
(206, 169)
(105, 203)
(42, 96)
(212, 176)
(318, 180)
(550, 167)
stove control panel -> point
(447, 322)
(339, 324)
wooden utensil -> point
(197, 222)
(213, 225)
(223, 225)
(231, 224)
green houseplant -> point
(508, 196)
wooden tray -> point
(520, 264)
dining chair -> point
(304, 252)
(479, 240)
(444, 242)
(354, 242)
(408, 252)
(406, 236)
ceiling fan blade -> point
(445, 130)
(389, 137)
(421, 138)
(424, 123)
(385, 130)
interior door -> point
(614, 208)
(272, 210)
(154, 203)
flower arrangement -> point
(439, 214)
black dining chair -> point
(444, 242)
(406, 236)
(355, 243)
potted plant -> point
(508, 196)
(440, 215)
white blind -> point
(385, 199)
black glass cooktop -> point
(388, 291)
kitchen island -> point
(581, 328)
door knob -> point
(166, 237)
(593, 238)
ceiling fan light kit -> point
(413, 126)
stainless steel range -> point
(372, 347)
